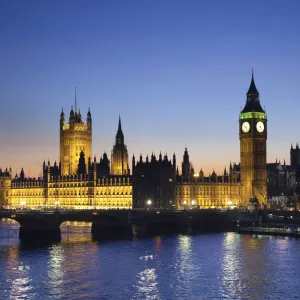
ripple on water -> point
(212, 266)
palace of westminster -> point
(80, 181)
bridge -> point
(45, 224)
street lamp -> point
(193, 202)
(56, 204)
(149, 202)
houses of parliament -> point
(81, 181)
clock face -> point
(260, 126)
(245, 127)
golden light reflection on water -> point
(13, 256)
(76, 224)
(253, 243)
(20, 286)
(255, 267)
(73, 232)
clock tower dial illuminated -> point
(253, 149)
(260, 126)
(245, 127)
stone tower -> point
(253, 148)
(295, 157)
(119, 155)
(5, 187)
(75, 137)
(186, 166)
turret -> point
(62, 119)
(119, 135)
(5, 187)
(95, 169)
(133, 164)
(174, 161)
(89, 120)
(81, 164)
(48, 171)
(22, 174)
(201, 174)
(89, 165)
(160, 157)
(119, 154)
(72, 116)
(225, 172)
(186, 166)
(152, 157)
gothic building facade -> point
(245, 181)
(80, 181)
(212, 191)
(119, 155)
(154, 181)
(76, 181)
(75, 137)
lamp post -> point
(149, 202)
(184, 204)
(56, 204)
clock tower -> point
(253, 148)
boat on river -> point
(272, 229)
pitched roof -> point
(252, 104)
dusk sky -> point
(176, 71)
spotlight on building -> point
(229, 203)
(23, 204)
(56, 203)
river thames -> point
(207, 266)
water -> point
(210, 266)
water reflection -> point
(147, 285)
(232, 284)
(255, 266)
(18, 279)
(212, 266)
(186, 269)
(56, 271)
(158, 243)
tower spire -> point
(252, 89)
(252, 103)
(120, 125)
(75, 100)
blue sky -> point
(176, 71)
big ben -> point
(253, 149)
